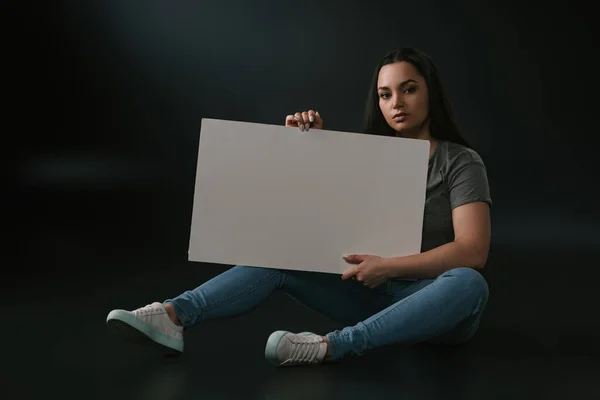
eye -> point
(411, 89)
(384, 95)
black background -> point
(104, 101)
(108, 99)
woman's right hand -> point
(305, 120)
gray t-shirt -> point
(456, 176)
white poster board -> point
(276, 197)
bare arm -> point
(470, 248)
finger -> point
(300, 120)
(350, 273)
(318, 120)
(306, 120)
(291, 120)
(312, 117)
(354, 258)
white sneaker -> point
(288, 349)
(151, 321)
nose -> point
(398, 102)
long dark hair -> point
(442, 125)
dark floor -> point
(539, 339)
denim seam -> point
(183, 318)
(333, 346)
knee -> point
(468, 280)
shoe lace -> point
(305, 348)
(147, 309)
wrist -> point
(390, 266)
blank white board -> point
(276, 197)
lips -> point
(399, 117)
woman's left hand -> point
(369, 269)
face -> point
(403, 99)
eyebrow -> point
(402, 84)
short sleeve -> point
(468, 182)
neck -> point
(423, 134)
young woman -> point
(436, 296)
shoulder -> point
(455, 157)
(464, 175)
(459, 154)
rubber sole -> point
(271, 347)
(126, 326)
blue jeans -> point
(444, 310)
